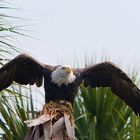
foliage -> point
(14, 108)
(100, 115)
(12, 103)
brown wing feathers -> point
(108, 75)
(23, 69)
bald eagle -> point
(62, 82)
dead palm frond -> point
(55, 121)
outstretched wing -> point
(23, 69)
(108, 75)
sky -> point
(66, 30)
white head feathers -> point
(63, 75)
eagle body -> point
(62, 82)
(64, 92)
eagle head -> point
(63, 75)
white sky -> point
(69, 28)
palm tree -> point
(100, 115)
(12, 106)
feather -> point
(107, 74)
(23, 69)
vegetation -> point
(12, 104)
(99, 114)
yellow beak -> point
(68, 70)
